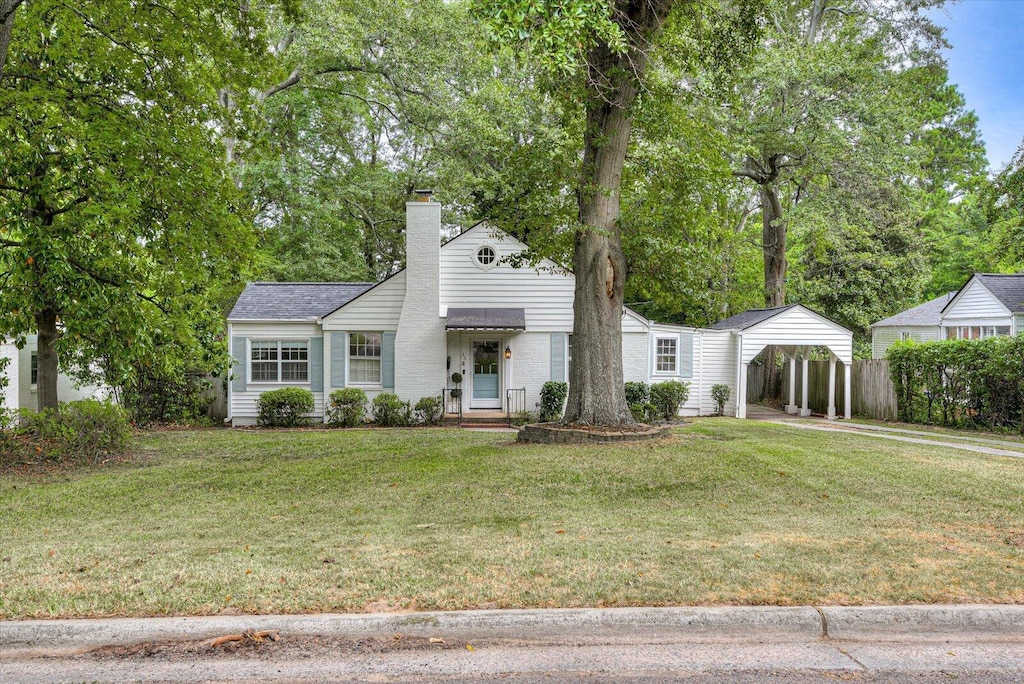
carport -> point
(795, 330)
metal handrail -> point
(452, 399)
(515, 402)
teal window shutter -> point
(686, 355)
(558, 357)
(239, 370)
(387, 360)
(316, 364)
(339, 357)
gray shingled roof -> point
(293, 301)
(1008, 288)
(927, 314)
(749, 318)
(485, 319)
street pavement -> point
(980, 643)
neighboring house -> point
(457, 307)
(923, 323)
(21, 371)
(988, 305)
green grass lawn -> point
(728, 512)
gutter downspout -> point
(227, 420)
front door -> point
(486, 374)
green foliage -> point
(720, 395)
(86, 430)
(668, 397)
(347, 407)
(390, 411)
(520, 418)
(637, 393)
(120, 214)
(552, 400)
(971, 383)
(643, 412)
(429, 410)
(152, 399)
(285, 407)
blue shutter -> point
(316, 364)
(339, 357)
(238, 371)
(686, 355)
(387, 360)
(558, 357)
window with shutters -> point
(666, 355)
(279, 361)
(364, 358)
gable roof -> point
(750, 318)
(1008, 288)
(293, 301)
(927, 314)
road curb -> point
(584, 624)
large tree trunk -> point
(773, 235)
(8, 8)
(46, 357)
(596, 390)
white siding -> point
(797, 327)
(717, 360)
(975, 305)
(882, 337)
(10, 392)
(1019, 318)
(545, 296)
(375, 310)
(243, 409)
(67, 388)
(636, 360)
(530, 365)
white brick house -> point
(457, 307)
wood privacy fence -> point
(871, 389)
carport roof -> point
(750, 318)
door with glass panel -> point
(486, 380)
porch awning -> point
(485, 319)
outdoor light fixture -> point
(508, 352)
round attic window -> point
(486, 256)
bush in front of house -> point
(638, 393)
(668, 397)
(552, 400)
(429, 410)
(152, 397)
(720, 395)
(86, 430)
(643, 413)
(285, 407)
(346, 407)
(390, 411)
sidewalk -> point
(980, 445)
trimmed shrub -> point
(720, 395)
(643, 413)
(668, 397)
(153, 398)
(347, 407)
(962, 383)
(285, 407)
(86, 430)
(520, 418)
(390, 411)
(429, 410)
(552, 400)
(637, 393)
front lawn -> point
(729, 512)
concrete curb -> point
(53, 637)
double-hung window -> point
(34, 369)
(665, 355)
(364, 358)
(279, 361)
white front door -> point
(486, 377)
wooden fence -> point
(870, 387)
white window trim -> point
(279, 340)
(33, 386)
(476, 251)
(654, 358)
(348, 360)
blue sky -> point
(987, 64)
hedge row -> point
(292, 406)
(962, 383)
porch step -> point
(488, 418)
